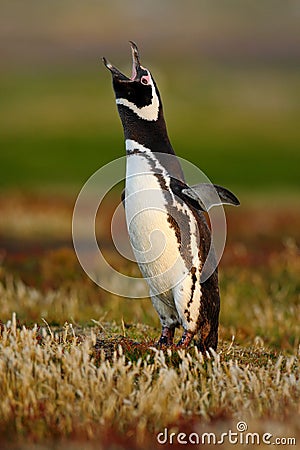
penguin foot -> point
(166, 338)
(185, 339)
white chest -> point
(154, 239)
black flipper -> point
(203, 196)
(209, 195)
(177, 187)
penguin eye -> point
(144, 80)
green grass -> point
(239, 125)
(70, 160)
(87, 373)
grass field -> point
(239, 124)
(87, 374)
(78, 365)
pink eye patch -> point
(145, 79)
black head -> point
(137, 96)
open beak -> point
(136, 67)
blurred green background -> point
(228, 73)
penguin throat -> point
(149, 112)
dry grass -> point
(62, 384)
(107, 384)
(90, 384)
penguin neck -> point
(151, 134)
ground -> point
(79, 367)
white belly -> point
(153, 238)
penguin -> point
(165, 217)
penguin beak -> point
(136, 67)
(114, 71)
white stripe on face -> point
(149, 112)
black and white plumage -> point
(157, 199)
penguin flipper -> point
(182, 190)
(208, 195)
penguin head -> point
(138, 95)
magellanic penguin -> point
(153, 172)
